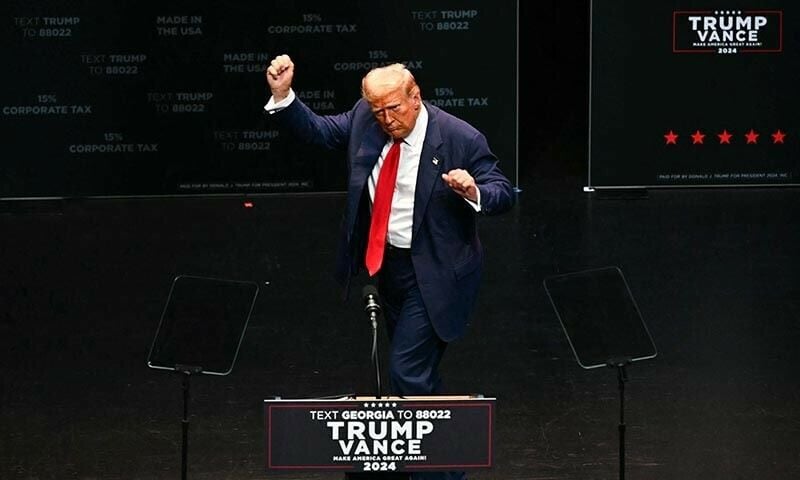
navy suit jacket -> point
(445, 248)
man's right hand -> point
(279, 76)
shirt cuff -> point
(477, 204)
(273, 107)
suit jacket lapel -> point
(366, 158)
(363, 162)
(430, 166)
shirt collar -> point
(417, 135)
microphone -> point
(370, 296)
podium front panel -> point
(363, 434)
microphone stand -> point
(373, 317)
(373, 308)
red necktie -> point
(381, 206)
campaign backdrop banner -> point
(694, 93)
(379, 435)
(131, 98)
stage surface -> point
(714, 272)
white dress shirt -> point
(401, 218)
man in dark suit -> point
(441, 175)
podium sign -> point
(366, 434)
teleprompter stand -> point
(201, 329)
(603, 326)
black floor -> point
(714, 271)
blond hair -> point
(388, 77)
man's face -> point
(396, 111)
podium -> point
(379, 434)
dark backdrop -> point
(128, 99)
(666, 84)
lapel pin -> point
(435, 161)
